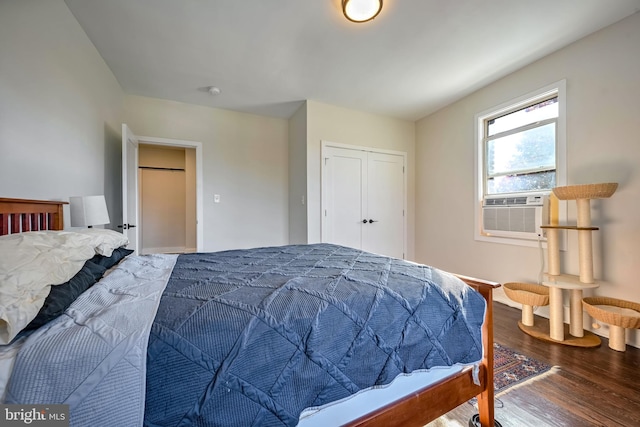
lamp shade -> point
(87, 211)
(361, 10)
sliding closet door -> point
(363, 200)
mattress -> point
(353, 407)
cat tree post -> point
(585, 248)
(576, 328)
(556, 314)
(553, 250)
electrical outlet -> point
(216, 198)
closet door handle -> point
(371, 221)
(364, 221)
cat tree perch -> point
(618, 314)
(530, 296)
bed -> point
(416, 408)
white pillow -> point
(105, 241)
(31, 262)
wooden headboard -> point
(18, 215)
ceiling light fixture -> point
(213, 90)
(361, 10)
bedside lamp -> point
(87, 211)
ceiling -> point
(268, 56)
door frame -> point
(130, 184)
(150, 140)
(324, 145)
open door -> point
(130, 209)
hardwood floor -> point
(591, 387)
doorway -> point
(167, 199)
(191, 153)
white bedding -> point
(8, 355)
(30, 263)
(93, 357)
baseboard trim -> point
(165, 250)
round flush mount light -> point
(361, 10)
(213, 90)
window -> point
(520, 148)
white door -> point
(385, 205)
(344, 196)
(363, 200)
(130, 209)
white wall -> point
(344, 126)
(603, 145)
(245, 161)
(60, 115)
(298, 176)
(60, 108)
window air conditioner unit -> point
(518, 217)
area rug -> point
(512, 369)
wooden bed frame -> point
(18, 215)
(416, 409)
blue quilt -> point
(252, 337)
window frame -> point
(518, 130)
(554, 89)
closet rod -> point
(160, 169)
